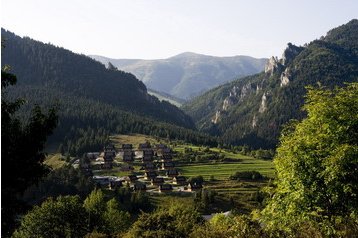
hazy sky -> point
(152, 29)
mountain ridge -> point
(252, 110)
(187, 74)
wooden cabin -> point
(150, 175)
(144, 146)
(128, 156)
(194, 186)
(164, 151)
(167, 165)
(92, 155)
(149, 167)
(127, 147)
(157, 181)
(166, 157)
(147, 159)
(172, 173)
(165, 187)
(131, 178)
(179, 180)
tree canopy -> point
(317, 164)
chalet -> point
(179, 180)
(167, 165)
(101, 180)
(113, 184)
(139, 187)
(127, 147)
(172, 173)
(149, 167)
(194, 186)
(150, 175)
(144, 146)
(128, 156)
(107, 165)
(109, 147)
(164, 151)
(131, 178)
(148, 152)
(126, 167)
(157, 181)
(109, 154)
(160, 146)
(147, 159)
(166, 157)
(165, 188)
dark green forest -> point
(93, 102)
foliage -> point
(175, 221)
(95, 206)
(61, 217)
(116, 221)
(63, 181)
(196, 179)
(316, 163)
(22, 153)
(247, 175)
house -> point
(160, 146)
(148, 152)
(194, 186)
(167, 157)
(113, 184)
(144, 146)
(149, 167)
(109, 147)
(172, 173)
(179, 180)
(127, 147)
(128, 156)
(131, 178)
(101, 180)
(109, 154)
(157, 181)
(139, 187)
(167, 165)
(147, 159)
(149, 175)
(164, 151)
(165, 187)
(107, 164)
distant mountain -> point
(253, 109)
(94, 101)
(187, 74)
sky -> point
(156, 29)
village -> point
(147, 168)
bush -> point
(247, 175)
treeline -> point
(85, 124)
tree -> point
(317, 164)
(95, 207)
(62, 217)
(116, 220)
(21, 151)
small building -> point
(109, 147)
(127, 147)
(149, 175)
(166, 157)
(128, 156)
(157, 181)
(114, 184)
(167, 165)
(160, 146)
(147, 158)
(194, 186)
(144, 146)
(165, 187)
(107, 165)
(149, 167)
(172, 173)
(139, 187)
(131, 178)
(179, 180)
(164, 151)
(101, 180)
(109, 154)
(148, 152)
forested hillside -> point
(93, 101)
(252, 110)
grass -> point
(134, 139)
(55, 161)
